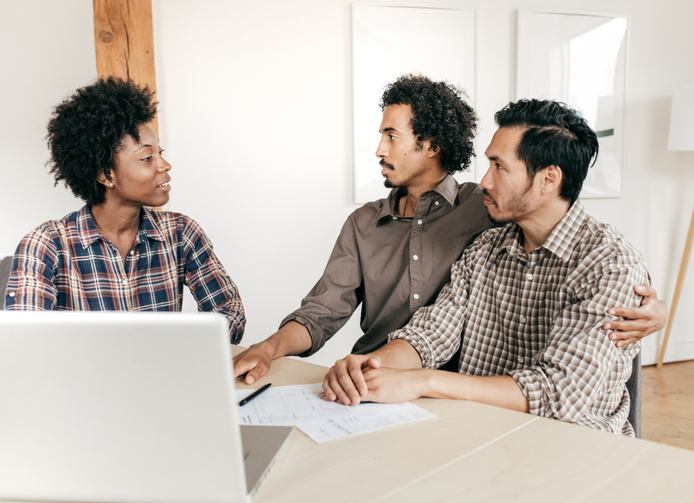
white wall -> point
(256, 119)
(46, 52)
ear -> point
(552, 177)
(106, 182)
(432, 152)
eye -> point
(391, 137)
(147, 159)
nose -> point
(486, 182)
(381, 150)
(164, 165)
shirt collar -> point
(563, 237)
(561, 240)
(447, 188)
(88, 232)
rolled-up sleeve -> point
(336, 295)
(580, 363)
(31, 285)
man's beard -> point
(516, 205)
(496, 221)
(388, 184)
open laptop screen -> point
(129, 407)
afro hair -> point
(88, 128)
(440, 115)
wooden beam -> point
(125, 41)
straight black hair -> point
(555, 135)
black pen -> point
(254, 394)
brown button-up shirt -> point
(392, 265)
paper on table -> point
(294, 405)
(338, 428)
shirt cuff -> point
(417, 344)
(531, 387)
(314, 331)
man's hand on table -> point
(388, 385)
(291, 339)
(641, 321)
(345, 381)
(360, 378)
(254, 362)
(351, 379)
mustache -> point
(385, 164)
(487, 194)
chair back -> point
(5, 269)
(634, 389)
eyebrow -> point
(497, 159)
(148, 145)
(140, 147)
(385, 130)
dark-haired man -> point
(394, 255)
(528, 300)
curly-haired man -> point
(394, 255)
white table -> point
(472, 452)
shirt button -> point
(415, 257)
(416, 296)
(521, 359)
(132, 252)
(419, 222)
(436, 203)
(125, 282)
(529, 277)
(522, 319)
(11, 294)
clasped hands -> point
(361, 378)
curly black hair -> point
(440, 114)
(88, 128)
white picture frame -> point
(391, 41)
(580, 59)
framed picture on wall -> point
(580, 60)
(391, 41)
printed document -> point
(300, 406)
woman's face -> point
(141, 174)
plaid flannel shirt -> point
(68, 265)
(538, 317)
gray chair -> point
(5, 268)
(634, 389)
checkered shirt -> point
(68, 265)
(538, 317)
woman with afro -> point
(116, 253)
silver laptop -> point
(124, 407)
